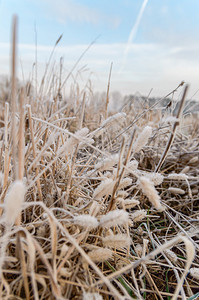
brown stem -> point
(172, 135)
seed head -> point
(13, 201)
(104, 188)
(194, 272)
(92, 296)
(149, 190)
(86, 221)
(142, 139)
(107, 163)
(156, 178)
(179, 176)
(116, 241)
(176, 191)
(100, 255)
(138, 215)
(171, 255)
(114, 118)
(114, 218)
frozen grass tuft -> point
(108, 193)
(194, 272)
(142, 139)
(114, 218)
(13, 201)
(86, 221)
(116, 241)
(148, 189)
(100, 255)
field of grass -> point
(97, 204)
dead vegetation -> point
(97, 205)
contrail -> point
(133, 33)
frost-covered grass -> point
(93, 199)
(111, 198)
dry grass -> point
(97, 221)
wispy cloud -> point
(71, 10)
(149, 65)
(66, 10)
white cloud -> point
(70, 10)
(149, 65)
(66, 10)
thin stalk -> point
(107, 93)
(175, 125)
(34, 151)
(13, 95)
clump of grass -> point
(100, 215)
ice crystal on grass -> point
(128, 203)
(171, 255)
(114, 218)
(107, 163)
(86, 221)
(138, 215)
(194, 272)
(116, 241)
(114, 118)
(149, 190)
(125, 182)
(142, 139)
(92, 296)
(179, 176)
(176, 191)
(100, 255)
(156, 178)
(73, 240)
(104, 188)
(13, 201)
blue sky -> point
(158, 53)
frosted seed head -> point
(92, 296)
(133, 165)
(107, 163)
(130, 203)
(120, 201)
(86, 221)
(156, 178)
(114, 118)
(122, 194)
(171, 255)
(170, 120)
(194, 272)
(142, 139)
(179, 176)
(125, 182)
(104, 188)
(176, 191)
(100, 255)
(114, 218)
(138, 250)
(64, 250)
(193, 160)
(65, 272)
(138, 215)
(149, 190)
(185, 170)
(116, 241)
(13, 201)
